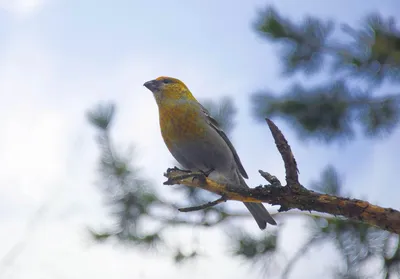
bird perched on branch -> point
(197, 142)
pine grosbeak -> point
(197, 142)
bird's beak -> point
(152, 85)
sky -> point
(59, 58)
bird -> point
(196, 140)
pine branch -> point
(293, 195)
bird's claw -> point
(208, 172)
(200, 176)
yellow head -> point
(168, 89)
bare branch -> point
(293, 195)
(284, 149)
(203, 206)
(270, 178)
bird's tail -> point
(259, 212)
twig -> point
(270, 178)
(284, 149)
(203, 206)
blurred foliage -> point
(334, 108)
(329, 111)
(132, 198)
(357, 243)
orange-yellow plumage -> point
(174, 129)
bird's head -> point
(168, 89)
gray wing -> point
(213, 123)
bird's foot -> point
(208, 172)
(202, 175)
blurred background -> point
(82, 159)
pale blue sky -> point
(60, 58)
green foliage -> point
(332, 110)
(251, 247)
(322, 112)
(304, 44)
(358, 243)
(129, 195)
(374, 52)
(379, 118)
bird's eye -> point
(166, 81)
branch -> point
(293, 195)
(203, 206)
(273, 180)
(292, 171)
